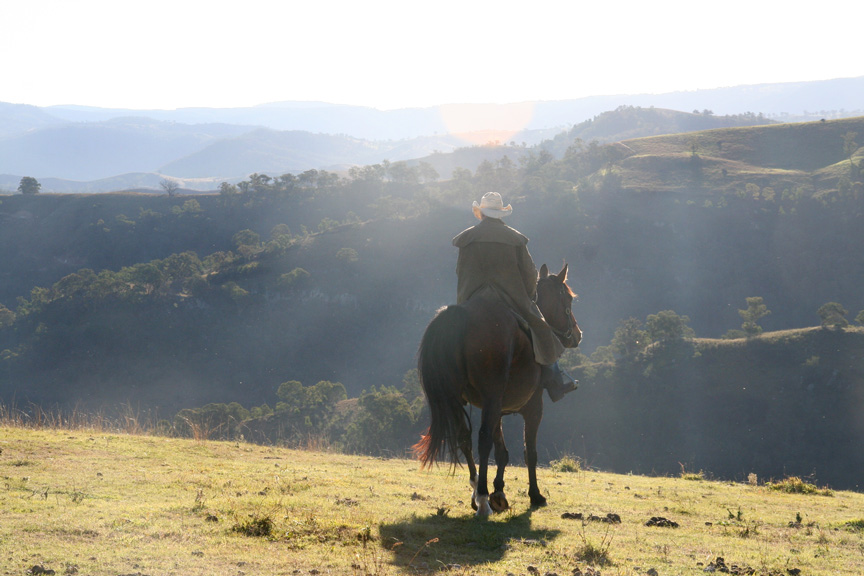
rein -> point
(568, 335)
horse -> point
(480, 353)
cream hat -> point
(491, 205)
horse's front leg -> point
(489, 421)
(533, 414)
(498, 500)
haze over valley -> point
(281, 289)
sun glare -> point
(483, 123)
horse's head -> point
(554, 298)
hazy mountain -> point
(278, 152)
(90, 151)
(830, 98)
(274, 152)
(20, 118)
(358, 121)
(75, 148)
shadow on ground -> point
(430, 542)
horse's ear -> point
(544, 271)
(562, 275)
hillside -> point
(629, 122)
(783, 403)
(809, 157)
(176, 302)
(98, 502)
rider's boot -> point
(556, 381)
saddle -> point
(490, 292)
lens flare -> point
(484, 123)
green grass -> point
(97, 503)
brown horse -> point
(479, 353)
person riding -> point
(492, 255)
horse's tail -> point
(441, 367)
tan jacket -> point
(492, 254)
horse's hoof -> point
(483, 508)
(473, 504)
(538, 500)
(498, 502)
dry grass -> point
(97, 503)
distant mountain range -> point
(86, 149)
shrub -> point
(254, 526)
(795, 485)
(856, 525)
(566, 463)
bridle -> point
(566, 336)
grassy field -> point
(94, 503)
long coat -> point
(494, 255)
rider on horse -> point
(494, 257)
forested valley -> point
(289, 308)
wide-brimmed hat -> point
(491, 205)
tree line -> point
(383, 420)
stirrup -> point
(558, 383)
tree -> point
(145, 278)
(629, 338)
(347, 255)
(756, 309)
(7, 317)
(385, 423)
(428, 172)
(667, 326)
(29, 185)
(307, 409)
(850, 146)
(860, 318)
(212, 421)
(246, 238)
(833, 315)
(228, 193)
(170, 186)
(295, 278)
(181, 270)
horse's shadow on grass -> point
(436, 540)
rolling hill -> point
(177, 302)
(806, 156)
(92, 149)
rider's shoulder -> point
(490, 230)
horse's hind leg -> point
(533, 413)
(498, 501)
(465, 446)
(489, 421)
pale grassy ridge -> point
(94, 503)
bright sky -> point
(407, 53)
